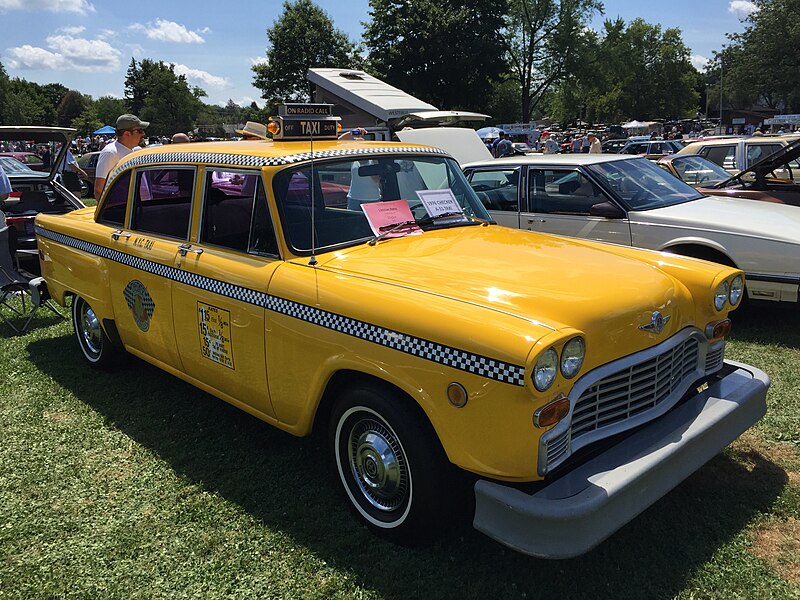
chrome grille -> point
(635, 389)
(715, 357)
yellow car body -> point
(283, 331)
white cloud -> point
(699, 62)
(742, 8)
(77, 6)
(67, 53)
(168, 31)
(72, 30)
(259, 60)
(201, 77)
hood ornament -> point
(657, 323)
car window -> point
(163, 201)
(696, 170)
(638, 184)
(235, 213)
(637, 148)
(115, 204)
(724, 156)
(497, 189)
(757, 152)
(565, 192)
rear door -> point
(499, 190)
(220, 295)
(142, 273)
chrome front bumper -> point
(583, 507)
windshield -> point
(696, 170)
(342, 188)
(640, 185)
(12, 166)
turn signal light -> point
(718, 329)
(552, 413)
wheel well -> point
(702, 252)
(345, 378)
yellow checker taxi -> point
(360, 288)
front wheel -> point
(95, 345)
(391, 466)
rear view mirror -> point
(378, 169)
(606, 210)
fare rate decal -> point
(214, 325)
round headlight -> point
(721, 295)
(737, 287)
(572, 357)
(545, 369)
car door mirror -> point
(606, 210)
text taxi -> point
(360, 287)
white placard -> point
(441, 202)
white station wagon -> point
(629, 200)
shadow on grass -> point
(288, 485)
(767, 323)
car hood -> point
(764, 220)
(539, 278)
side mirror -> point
(606, 210)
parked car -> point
(629, 200)
(652, 149)
(613, 146)
(737, 154)
(12, 165)
(429, 342)
(521, 148)
(88, 162)
(30, 159)
(34, 191)
(773, 179)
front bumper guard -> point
(582, 508)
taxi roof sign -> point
(298, 121)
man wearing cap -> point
(549, 145)
(130, 133)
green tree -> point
(446, 52)
(72, 104)
(302, 37)
(542, 44)
(4, 85)
(108, 108)
(87, 121)
(759, 64)
(155, 93)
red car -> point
(30, 159)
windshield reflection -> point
(641, 185)
(340, 188)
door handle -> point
(115, 235)
(185, 249)
(532, 221)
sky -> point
(87, 45)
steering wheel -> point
(639, 195)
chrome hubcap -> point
(90, 330)
(378, 464)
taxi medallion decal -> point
(141, 304)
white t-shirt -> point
(109, 157)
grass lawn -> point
(133, 484)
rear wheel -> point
(95, 345)
(391, 466)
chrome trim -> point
(787, 279)
(559, 442)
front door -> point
(220, 297)
(560, 202)
(498, 190)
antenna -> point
(313, 260)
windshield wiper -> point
(388, 229)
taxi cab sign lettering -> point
(214, 326)
(305, 122)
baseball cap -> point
(130, 121)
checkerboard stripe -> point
(422, 348)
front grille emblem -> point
(657, 323)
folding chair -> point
(21, 297)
